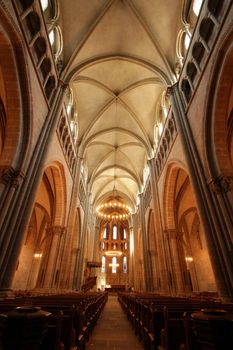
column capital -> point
(171, 89)
(75, 251)
(56, 230)
(221, 184)
(171, 233)
(10, 176)
(151, 161)
(63, 84)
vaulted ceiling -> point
(119, 57)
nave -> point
(113, 331)
(116, 174)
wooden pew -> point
(159, 321)
(79, 315)
(52, 339)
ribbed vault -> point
(119, 57)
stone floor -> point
(113, 331)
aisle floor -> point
(113, 331)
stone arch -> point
(60, 193)
(33, 249)
(2, 123)
(183, 228)
(218, 126)
(14, 93)
(168, 195)
(46, 222)
(198, 274)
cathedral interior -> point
(116, 156)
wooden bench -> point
(72, 319)
(164, 322)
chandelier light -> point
(114, 210)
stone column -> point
(65, 263)
(80, 258)
(221, 189)
(175, 266)
(96, 254)
(131, 256)
(163, 282)
(10, 180)
(217, 230)
(49, 273)
(18, 196)
(147, 270)
(137, 254)
(59, 237)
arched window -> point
(52, 37)
(55, 39)
(125, 264)
(160, 128)
(146, 173)
(156, 136)
(74, 126)
(187, 39)
(197, 6)
(50, 10)
(114, 264)
(182, 44)
(125, 234)
(114, 232)
(103, 245)
(51, 13)
(44, 4)
(105, 233)
(165, 104)
(103, 268)
(126, 246)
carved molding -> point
(221, 184)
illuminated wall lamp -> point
(189, 258)
(38, 255)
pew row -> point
(72, 317)
(166, 323)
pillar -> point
(218, 235)
(18, 194)
(145, 248)
(79, 266)
(163, 279)
(65, 262)
(177, 285)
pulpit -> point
(23, 328)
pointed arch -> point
(57, 175)
(168, 202)
(219, 120)
(14, 93)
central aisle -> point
(113, 331)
